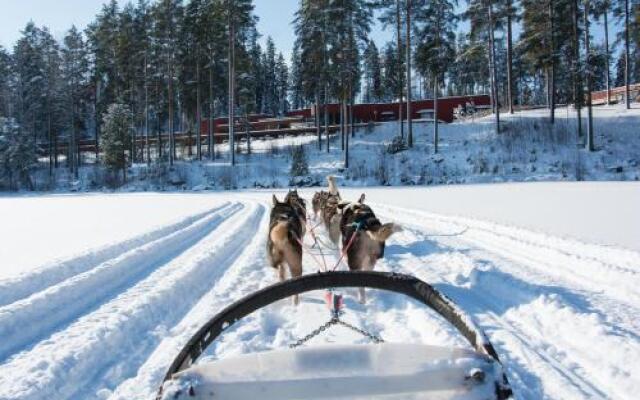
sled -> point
(365, 371)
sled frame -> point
(387, 281)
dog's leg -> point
(294, 260)
(282, 273)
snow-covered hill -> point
(529, 149)
(103, 324)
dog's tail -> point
(385, 232)
(333, 187)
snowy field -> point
(98, 293)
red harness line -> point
(323, 265)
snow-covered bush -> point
(397, 145)
(299, 163)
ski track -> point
(562, 314)
(16, 288)
(69, 361)
(25, 320)
(561, 333)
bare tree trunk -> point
(97, 122)
(211, 148)
(577, 83)
(400, 74)
(343, 116)
(607, 55)
(170, 100)
(146, 113)
(317, 119)
(510, 56)
(552, 67)
(326, 115)
(627, 55)
(158, 127)
(435, 114)
(232, 85)
(198, 110)
(590, 146)
(408, 55)
(494, 74)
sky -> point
(276, 17)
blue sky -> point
(276, 17)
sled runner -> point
(372, 371)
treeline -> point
(166, 61)
(168, 64)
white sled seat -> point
(383, 371)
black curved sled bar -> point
(398, 283)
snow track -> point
(13, 289)
(562, 314)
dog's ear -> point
(361, 199)
(275, 200)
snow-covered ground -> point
(559, 302)
(529, 149)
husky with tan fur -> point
(283, 242)
(365, 237)
(300, 206)
(332, 212)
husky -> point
(318, 201)
(367, 246)
(331, 211)
(300, 206)
(283, 242)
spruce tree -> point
(436, 24)
(115, 137)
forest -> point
(155, 68)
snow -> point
(556, 294)
(99, 292)
(605, 213)
(36, 230)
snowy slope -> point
(562, 313)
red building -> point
(617, 94)
(378, 112)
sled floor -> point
(383, 371)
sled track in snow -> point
(22, 286)
(128, 319)
(562, 314)
(515, 284)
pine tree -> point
(295, 79)
(436, 24)
(372, 73)
(392, 15)
(601, 8)
(102, 37)
(620, 66)
(282, 83)
(75, 73)
(6, 84)
(482, 18)
(115, 138)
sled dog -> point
(331, 211)
(283, 242)
(318, 201)
(367, 246)
(300, 206)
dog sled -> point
(366, 371)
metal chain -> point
(375, 339)
(336, 321)
(314, 333)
